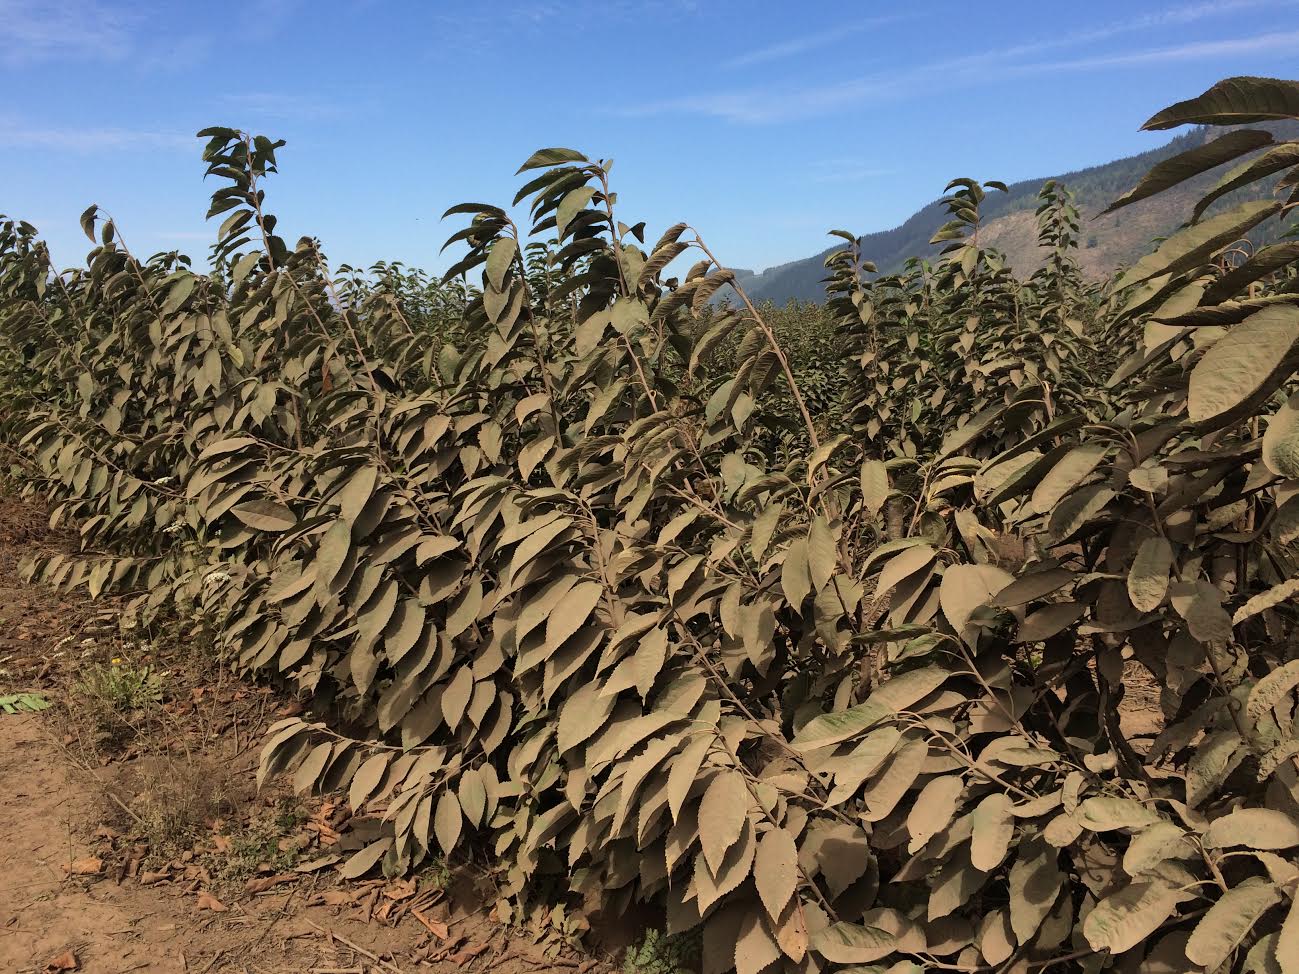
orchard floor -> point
(141, 851)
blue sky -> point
(764, 124)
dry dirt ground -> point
(142, 845)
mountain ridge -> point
(1107, 242)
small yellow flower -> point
(117, 660)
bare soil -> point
(142, 845)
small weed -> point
(659, 953)
(114, 698)
(266, 844)
(435, 875)
(177, 800)
(289, 815)
(122, 686)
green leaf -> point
(570, 206)
(1242, 362)
(1281, 440)
(895, 778)
(1270, 690)
(893, 696)
(914, 558)
(764, 526)
(775, 870)
(265, 515)
(1229, 921)
(851, 943)
(366, 780)
(1266, 600)
(355, 492)
(582, 714)
(88, 221)
(1073, 468)
(956, 882)
(309, 771)
(1033, 586)
(448, 820)
(550, 157)
(1274, 160)
(499, 258)
(1148, 579)
(874, 486)
(571, 613)
(1077, 509)
(994, 826)
(1233, 101)
(1206, 619)
(19, 703)
(822, 556)
(685, 769)
(1104, 813)
(934, 808)
(1195, 244)
(365, 860)
(472, 795)
(755, 948)
(1257, 828)
(1287, 944)
(966, 588)
(1034, 885)
(1126, 918)
(722, 814)
(1267, 261)
(1153, 845)
(1214, 758)
(795, 575)
(1181, 167)
(961, 437)
(648, 660)
(330, 555)
(373, 617)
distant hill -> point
(1009, 224)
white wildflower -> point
(216, 578)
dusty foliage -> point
(849, 702)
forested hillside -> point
(1107, 243)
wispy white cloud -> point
(1192, 51)
(264, 20)
(795, 46)
(33, 31)
(278, 105)
(774, 103)
(17, 135)
(1184, 14)
(845, 171)
(127, 36)
(477, 26)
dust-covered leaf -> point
(722, 814)
(1126, 918)
(775, 870)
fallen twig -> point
(86, 769)
(356, 947)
